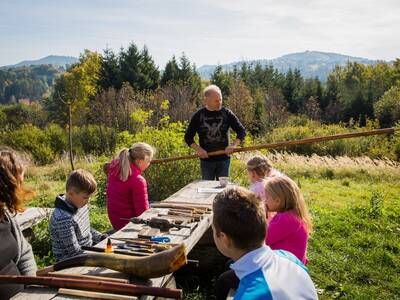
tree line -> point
(111, 88)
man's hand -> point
(202, 153)
(229, 150)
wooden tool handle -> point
(95, 295)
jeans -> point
(212, 170)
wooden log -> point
(94, 295)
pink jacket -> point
(125, 199)
(287, 231)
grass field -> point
(355, 205)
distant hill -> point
(310, 63)
(55, 60)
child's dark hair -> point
(259, 164)
(81, 181)
(240, 214)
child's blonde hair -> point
(286, 191)
(138, 151)
(259, 164)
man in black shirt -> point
(212, 124)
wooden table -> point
(188, 194)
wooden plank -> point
(188, 194)
(32, 216)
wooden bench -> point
(32, 216)
(188, 194)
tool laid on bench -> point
(183, 206)
(155, 241)
(116, 251)
(162, 224)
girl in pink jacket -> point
(126, 188)
(290, 227)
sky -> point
(208, 31)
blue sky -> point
(209, 32)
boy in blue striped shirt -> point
(239, 226)
(69, 223)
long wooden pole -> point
(285, 144)
(94, 285)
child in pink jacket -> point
(290, 227)
(126, 188)
(258, 170)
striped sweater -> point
(70, 229)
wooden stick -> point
(94, 295)
(79, 276)
(175, 205)
(284, 144)
(180, 214)
(94, 285)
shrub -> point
(33, 140)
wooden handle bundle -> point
(94, 285)
(285, 144)
(152, 266)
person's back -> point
(120, 195)
(239, 227)
(287, 231)
(290, 227)
(127, 195)
(272, 274)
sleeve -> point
(66, 236)
(192, 129)
(26, 263)
(280, 227)
(140, 198)
(97, 236)
(237, 126)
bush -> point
(94, 139)
(33, 140)
(57, 138)
(300, 128)
(387, 109)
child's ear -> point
(226, 240)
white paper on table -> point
(210, 190)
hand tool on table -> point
(177, 219)
(124, 252)
(182, 214)
(116, 251)
(155, 241)
(162, 224)
(179, 205)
